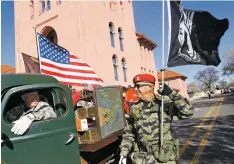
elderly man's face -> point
(143, 90)
(31, 99)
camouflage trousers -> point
(144, 158)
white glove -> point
(23, 124)
(122, 160)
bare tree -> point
(207, 77)
(228, 66)
(193, 87)
(223, 84)
(231, 83)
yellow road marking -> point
(187, 143)
(205, 137)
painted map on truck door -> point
(110, 112)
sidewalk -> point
(200, 95)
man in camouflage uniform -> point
(141, 140)
(32, 110)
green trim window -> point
(48, 5)
(115, 65)
(124, 69)
(112, 34)
(120, 31)
(43, 6)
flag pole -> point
(169, 32)
(169, 28)
(38, 55)
(162, 103)
(17, 60)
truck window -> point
(44, 104)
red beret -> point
(144, 78)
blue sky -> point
(148, 20)
(7, 33)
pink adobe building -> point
(103, 34)
(175, 80)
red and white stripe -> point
(77, 73)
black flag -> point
(195, 36)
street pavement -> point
(207, 137)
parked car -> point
(226, 90)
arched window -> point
(115, 65)
(48, 5)
(43, 6)
(121, 38)
(142, 69)
(112, 37)
(50, 33)
(124, 69)
(52, 36)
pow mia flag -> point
(195, 36)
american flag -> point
(66, 68)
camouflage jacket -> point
(42, 111)
(143, 124)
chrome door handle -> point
(72, 136)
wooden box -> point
(91, 135)
(105, 118)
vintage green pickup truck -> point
(56, 140)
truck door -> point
(49, 141)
